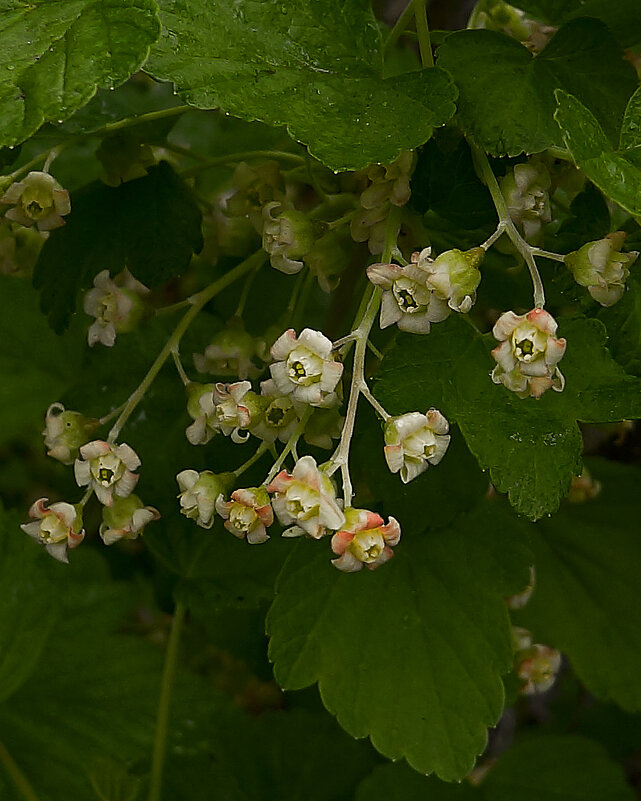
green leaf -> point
(556, 768)
(506, 96)
(587, 579)
(150, 225)
(315, 67)
(410, 655)
(400, 783)
(623, 321)
(55, 55)
(612, 171)
(622, 17)
(532, 447)
(630, 136)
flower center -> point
(526, 346)
(52, 529)
(34, 209)
(367, 545)
(304, 367)
(274, 415)
(242, 517)
(105, 476)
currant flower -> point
(279, 417)
(230, 353)
(364, 540)
(583, 488)
(125, 519)
(235, 407)
(407, 299)
(37, 200)
(528, 354)
(58, 527)
(248, 513)
(453, 276)
(413, 441)
(307, 499)
(304, 368)
(107, 469)
(537, 667)
(198, 494)
(65, 431)
(201, 408)
(525, 190)
(116, 304)
(287, 236)
(602, 268)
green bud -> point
(602, 268)
(65, 432)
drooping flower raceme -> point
(364, 539)
(528, 354)
(198, 493)
(407, 299)
(453, 276)
(306, 498)
(107, 469)
(125, 519)
(304, 368)
(57, 527)
(413, 441)
(116, 304)
(65, 431)
(602, 268)
(37, 200)
(247, 514)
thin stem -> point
(164, 703)
(198, 301)
(184, 151)
(182, 304)
(149, 116)
(175, 355)
(366, 393)
(293, 298)
(500, 230)
(290, 446)
(111, 414)
(303, 297)
(524, 248)
(547, 254)
(374, 350)
(313, 178)
(422, 28)
(262, 448)
(17, 776)
(26, 167)
(281, 155)
(399, 27)
(244, 293)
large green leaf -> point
(616, 173)
(315, 67)
(506, 96)
(586, 600)
(55, 55)
(410, 655)
(532, 447)
(150, 225)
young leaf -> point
(532, 447)
(587, 578)
(315, 67)
(55, 55)
(150, 225)
(506, 96)
(410, 655)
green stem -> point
(301, 303)
(198, 301)
(281, 155)
(149, 116)
(399, 27)
(422, 28)
(262, 448)
(164, 703)
(290, 446)
(17, 776)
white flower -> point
(37, 200)
(528, 354)
(304, 367)
(307, 499)
(279, 417)
(125, 519)
(227, 408)
(407, 299)
(537, 667)
(413, 441)
(247, 514)
(364, 539)
(58, 527)
(198, 494)
(525, 190)
(116, 305)
(107, 469)
(602, 268)
(453, 276)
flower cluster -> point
(527, 358)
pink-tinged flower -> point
(528, 354)
(307, 499)
(413, 441)
(537, 667)
(198, 493)
(58, 527)
(247, 514)
(304, 367)
(116, 304)
(65, 431)
(107, 469)
(37, 200)
(125, 519)
(407, 299)
(602, 268)
(364, 540)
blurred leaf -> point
(506, 96)
(623, 321)
(399, 782)
(410, 655)
(532, 447)
(315, 67)
(150, 225)
(55, 55)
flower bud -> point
(247, 514)
(116, 304)
(287, 236)
(199, 492)
(58, 527)
(364, 540)
(65, 431)
(125, 519)
(525, 189)
(37, 200)
(454, 276)
(602, 268)
(19, 248)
